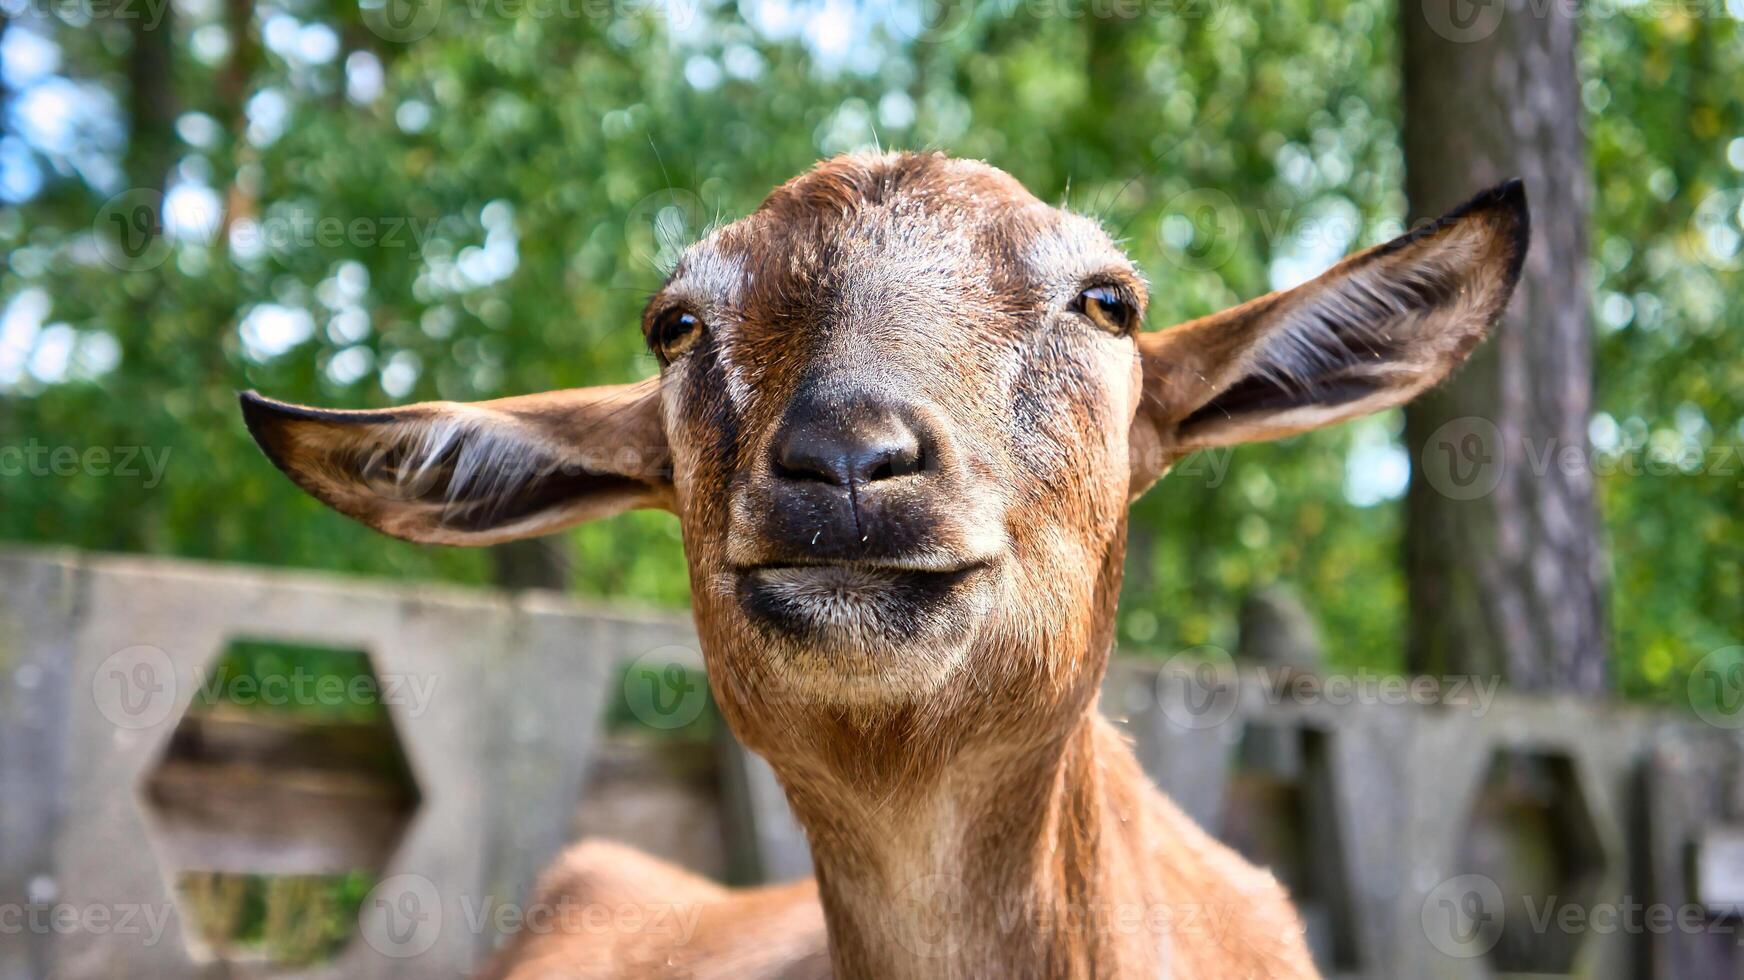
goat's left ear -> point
(480, 472)
(1371, 333)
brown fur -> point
(970, 813)
(617, 913)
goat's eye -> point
(1109, 308)
(673, 333)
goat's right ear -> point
(476, 473)
(1372, 332)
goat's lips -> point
(855, 602)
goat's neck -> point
(1005, 865)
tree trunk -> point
(1506, 574)
(531, 563)
(151, 102)
(235, 79)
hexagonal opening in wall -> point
(1531, 831)
(283, 792)
(1280, 811)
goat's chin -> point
(845, 637)
(865, 679)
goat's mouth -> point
(863, 605)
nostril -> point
(892, 462)
(842, 465)
(811, 454)
(851, 445)
(799, 465)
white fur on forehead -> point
(708, 276)
(901, 267)
(1068, 251)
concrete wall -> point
(1429, 831)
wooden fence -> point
(1428, 829)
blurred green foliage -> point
(285, 920)
(1667, 134)
(540, 171)
(319, 684)
(300, 919)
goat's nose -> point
(849, 444)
